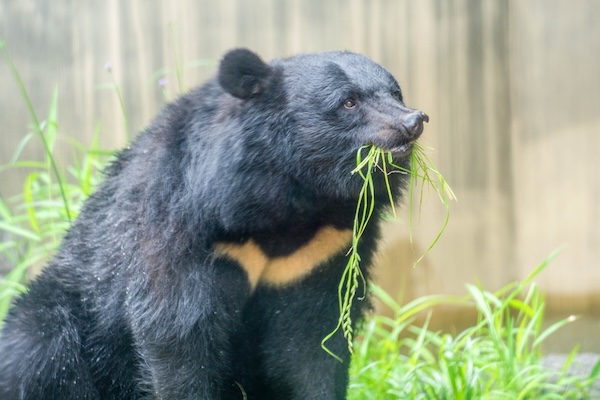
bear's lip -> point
(401, 151)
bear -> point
(206, 265)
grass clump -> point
(36, 220)
(498, 358)
(421, 170)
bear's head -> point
(318, 110)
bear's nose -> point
(413, 122)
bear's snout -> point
(413, 123)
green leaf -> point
(29, 198)
(595, 373)
(15, 230)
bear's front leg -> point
(294, 364)
(182, 322)
(292, 348)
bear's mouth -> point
(400, 151)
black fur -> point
(137, 305)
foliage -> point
(35, 220)
(498, 358)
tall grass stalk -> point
(114, 86)
(50, 126)
(178, 68)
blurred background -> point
(512, 89)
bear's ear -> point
(243, 74)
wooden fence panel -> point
(512, 89)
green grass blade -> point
(15, 230)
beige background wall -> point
(512, 89)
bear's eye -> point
(349, 104)
(397, 95)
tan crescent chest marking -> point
(277, 271)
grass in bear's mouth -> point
(421, 169)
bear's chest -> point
(276, 267)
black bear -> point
(207, 264)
